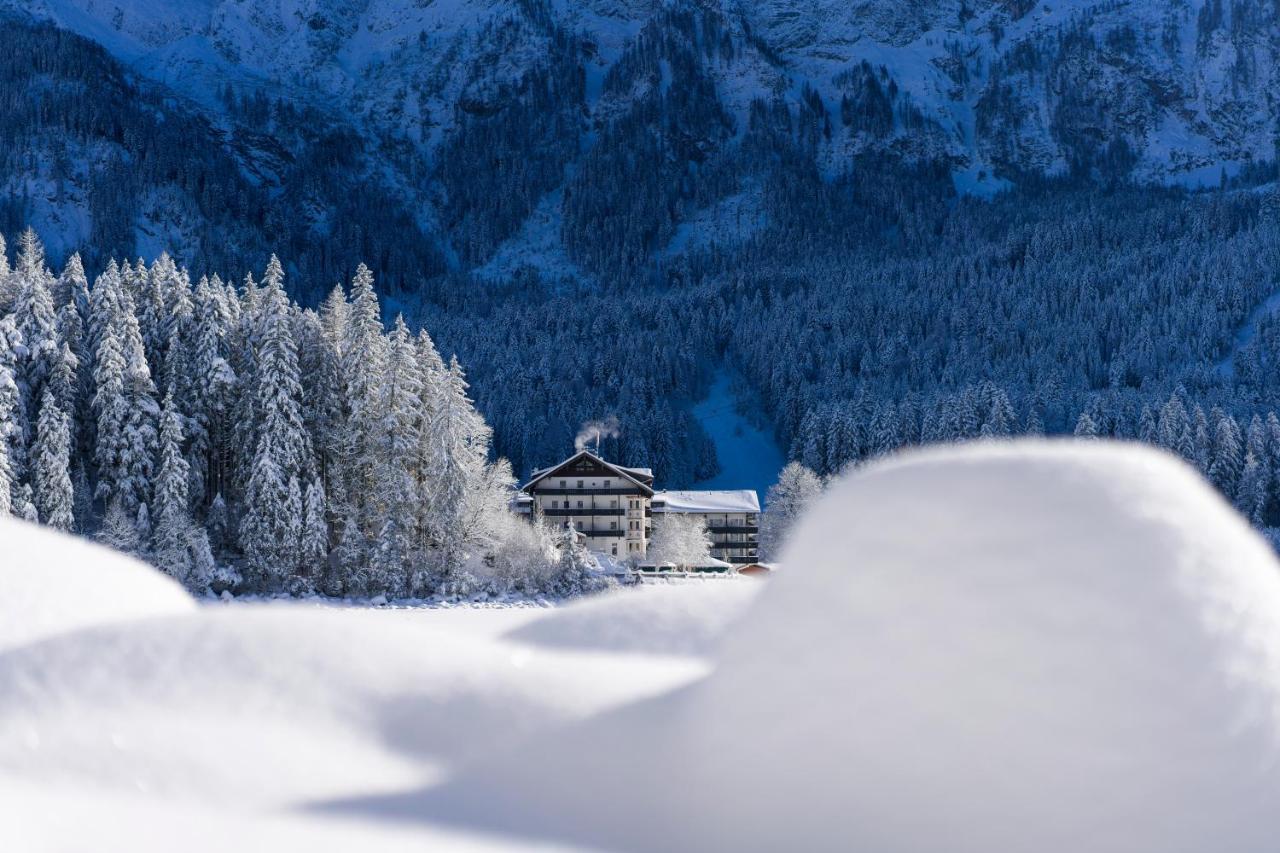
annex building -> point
(613, 507)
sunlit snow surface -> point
(1025, 647)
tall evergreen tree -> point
(271, 532)
(13, 416)
(36, 321)
(172, 531)
(51, 466)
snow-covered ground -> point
(1246, 333)
(1050, 647)
(749, 456)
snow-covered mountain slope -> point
(480, 115)
(1187, 83)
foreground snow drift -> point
(50, 584)
(1049, 647)
(1038, 647)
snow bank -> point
(648, 619)
(1049, 647)
(44, 819)
(273, 705)
(51, 583)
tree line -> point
(242, 443)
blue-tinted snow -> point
(749, 456)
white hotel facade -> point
(613, 508)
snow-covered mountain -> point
(1178, 91)
(999, 85)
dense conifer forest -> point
(866, 303)
(243, 444)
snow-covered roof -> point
(741, 500)
(642, 477)
(634, 472)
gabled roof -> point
(642, 477)
(744, 500)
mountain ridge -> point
(997, 90)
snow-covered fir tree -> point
(271, 533)
(172, 531)
(51, 466)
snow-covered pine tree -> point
(119, 530)
(24, 504)
(13, 417)
(142, 413)
(74, 400)
(1228, 461)
(72, 287)
(109, 409)
(6, 478)
(51, 466)
(1086, 427)
(457, 447)
(172, 530)
(350, 576)
(211, 386)
(321, 393)
(314, 548)
(1251, 492)
(218, 523)
(271, 531)
(83, 493)
(8, 409)
(36, 321)
(362, 364)
(64, 382)
(243, 341)
(125, 414)
(7, 283)
(577, 571)
(398, 439)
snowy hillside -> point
(1083, 653)
(1169, 92)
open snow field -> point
(1049, 647)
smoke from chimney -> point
(592, 431)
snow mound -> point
(50, 583)
(649, 619)
(276, 704)
(1033, 646)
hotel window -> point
(613, 504)
(579, 484)
(555, 504)
(615, 550)
(613, 525)
(562, 484)
(604, 484)
(579, 504)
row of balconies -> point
(583, 511)
(634, 492)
